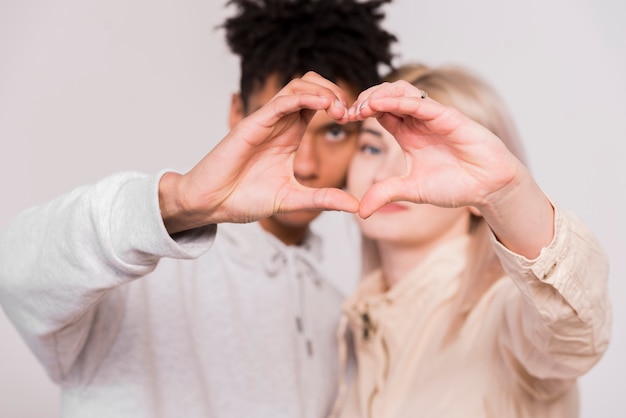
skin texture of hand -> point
(453, 161)
(249, 174)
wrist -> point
(521, 216)
(172, 209)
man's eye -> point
(336, 134)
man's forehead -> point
(263, 93)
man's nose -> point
(305, 163)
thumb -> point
(306, 198)
(379, 194)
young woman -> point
(481, 298)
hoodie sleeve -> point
(561, 325)
(59, 260)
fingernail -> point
(362, 105)
(339, 104)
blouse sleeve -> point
(560, 327)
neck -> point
(398, 259)
(289, 235)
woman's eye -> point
(336, 133)
(370, 149)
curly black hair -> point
(339, 39)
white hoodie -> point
(246, 329)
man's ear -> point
(236, 110)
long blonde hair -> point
(458, 87)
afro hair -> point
(339, 39)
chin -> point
(378, 229)
(290, 228)
(296, 219)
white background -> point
(91, 87)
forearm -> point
(521, 216)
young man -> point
(342, 41)
(95, 280)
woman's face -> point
(379, 156)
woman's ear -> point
(236, 110)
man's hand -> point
(249, 174)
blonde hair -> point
(459, 88)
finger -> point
(392, 189)
(398, 88)
(282, 106)
(336, 108)
(306, 198)
(387, 98)
(315, 78)
(355, 108)
(423, 109)
(312, 83)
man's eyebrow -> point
(348, 125)
(374, 132)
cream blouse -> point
(518, 353)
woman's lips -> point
(392, 207)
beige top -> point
(518, 353)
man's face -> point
(321, 160)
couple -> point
(481, 297)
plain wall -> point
(91, 87)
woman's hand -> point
(453, 161)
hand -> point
(249, 174)
(452, 161)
